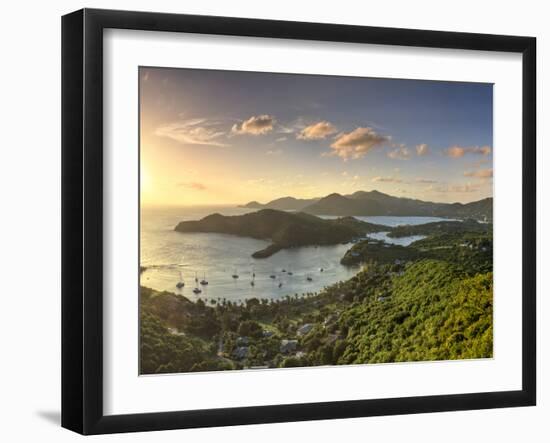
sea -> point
(170, 257)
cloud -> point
(317, 131)
(255, 125)
(196, 131)
(460, 151)
(387, 180)
(481, 173)
(282, 129)
(192, 185)
(400, 153)
(425, 180)
(357, 143)
(466, 188)
(281, 139)
(274, 152)
(422, 149)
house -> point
(303, 330)
(288, 346)
(241, 352)
(242, 341)
(174, 331)
(267, 334)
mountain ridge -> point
(376, 203)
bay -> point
(167, 254)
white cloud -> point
(422, 149)
(275, 152)
(464, 188)
(400, 153)
(460, 151)
(425, 180)
(357, 143)
(255, 125)
(196, 131)
(481, 173)
(192, 185)
(317, 131)
(380, 179)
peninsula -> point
(283, 229)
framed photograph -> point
(269, 221)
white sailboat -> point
(181, 283)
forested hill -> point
(428, 310)
(284, 229)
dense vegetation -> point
(431, 300)
(441, 227)
(376, 251)
(432, 312)
(284, 229)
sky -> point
(210, 137)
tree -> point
(250, 328)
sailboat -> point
(204, 281)
(309, 278)
(197, 291)
(235, 275)
(196, 279)
(252, 283)
(181, 283)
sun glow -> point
(145, 182)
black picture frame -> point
(82, 219)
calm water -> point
(217, 257)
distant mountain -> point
(252, 205)
(282, 204)
(284, 229)
(481, 209)
(363, 203)
(336, 204)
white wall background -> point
(30, 219)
